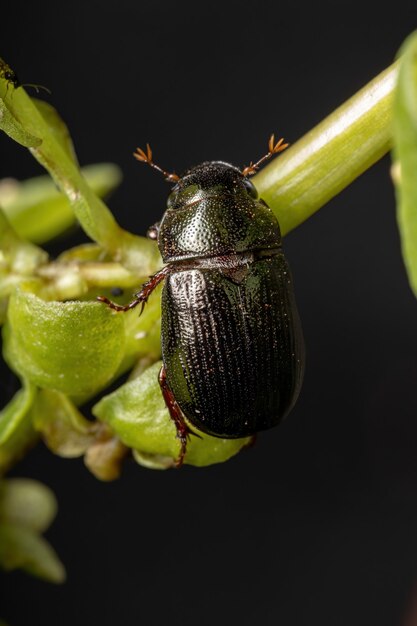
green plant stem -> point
(405, 155)
(331, 155)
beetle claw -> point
(119, 307)
(179, 461)
(191, 432)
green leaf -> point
(27, 508)
(13, 413)
(17, 255)
(136, 412)
(330, 156)
(3, 309)
(21, 548)
(28, 503)
(72, 347)
(106, 454)
(16, 430)
(405, 153)
(56, 127)
(14, 129)
(64, 429)
(38, 211)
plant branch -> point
(329, 157)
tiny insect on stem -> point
(10, 76)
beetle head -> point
(209, 179)
(213, 211)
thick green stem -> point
(331, 155)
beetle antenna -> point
(273, 148)
(146, 157)
(36, 87)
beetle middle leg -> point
(177, 416)
(142, 296)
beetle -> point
(232, 343)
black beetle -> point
(232, 344)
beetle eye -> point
(182, 196)
(250, 188)
(172, 197)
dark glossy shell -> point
(232, 345)
(212, 214)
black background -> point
(317, 524)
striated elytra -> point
(232, 343)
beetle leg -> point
(177, 416)
(142, 296)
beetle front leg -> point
(177, 416)
(142, 296)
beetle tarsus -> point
(119, 307)
(142, 296)
(180, 459)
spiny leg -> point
(177, 416)
(142, 296)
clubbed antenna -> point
(273, 148)
(146, 157)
